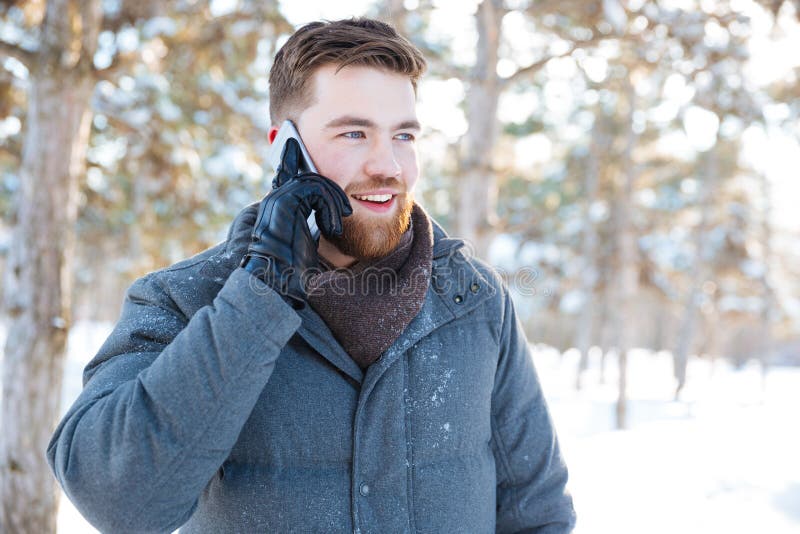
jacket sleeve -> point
(531, 473)
(164, 401)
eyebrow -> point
(349, 120)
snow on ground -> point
(724, 459)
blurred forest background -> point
(631, 166)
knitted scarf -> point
(368, 305)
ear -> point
(273, 131)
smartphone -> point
(288, 131)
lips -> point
(376, 202)
(375, 197)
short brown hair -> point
(356, 41)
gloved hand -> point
(282, 248)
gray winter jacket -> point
(215, 407)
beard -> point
(367, 236)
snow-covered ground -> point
(725, 459)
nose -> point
(381, 160)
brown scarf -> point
(367, 306)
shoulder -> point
(193, 282)
(454, 260)
(462, 277)
(174, 287)
(491, 281)
(472, 289)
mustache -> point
(375, 183)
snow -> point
(159, 26)
(722, 459)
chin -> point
(367, 235)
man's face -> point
(361, 132)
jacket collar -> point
(443, 244)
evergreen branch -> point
(118, 64)
(534, 67)
(26, 57)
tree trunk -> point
(589, 274)
(395, 14)
(604, 333)
(769, 310)
(475, 217)
(627, 278)
(37, 281)
(697, 274)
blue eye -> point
(354, 135)
(405, 137)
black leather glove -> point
(282, 249)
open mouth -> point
(379, 203)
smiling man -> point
(367, 145)
(375, 379)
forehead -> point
(380, 95)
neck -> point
(333, 255)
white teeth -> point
(374, 198)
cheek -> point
(410, 168)
(333, 165)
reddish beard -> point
(371, 237)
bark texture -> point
(477, 186)
(37, 278)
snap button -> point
(474, 287)
(436, 283)
(458, 299)
(364, 489)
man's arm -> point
(167, 396)
(160, 415)
(531, 474)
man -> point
(278, 384)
